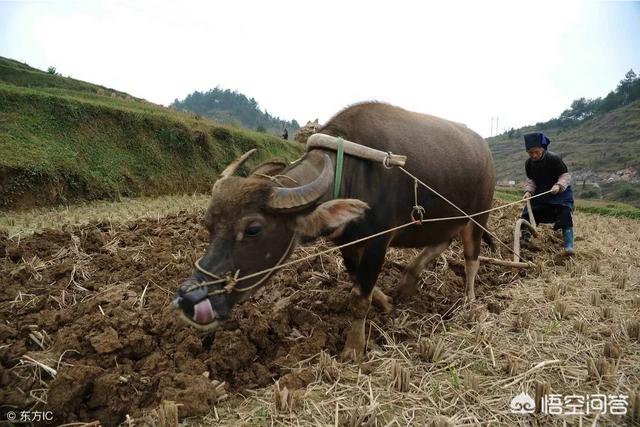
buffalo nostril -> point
(184, 305)
(187, 285)
(195, 296)
(184, 287)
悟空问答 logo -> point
(523, 404)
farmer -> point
(546, 171)
(285, 134)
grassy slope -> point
(607, 143)
(63, 140)
(19, 74)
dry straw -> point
(435, 360)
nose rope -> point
(217, 279)
(232, 281)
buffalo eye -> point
(253, 229)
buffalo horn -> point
(235, 165)
(300, 197)
(232, 168)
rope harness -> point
(417, 209)
(417, 218)
(232, 281)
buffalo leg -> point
(366, 276)
(471, 238)
(352, 258)
(409, 282)
(354, 345)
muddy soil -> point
(93, 304)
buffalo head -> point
(254, 223)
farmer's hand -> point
(555, 189)
(527, 195)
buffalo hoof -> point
(408, 287)
(405, 294)
(469, 299)
(353, 355)
(382, 301)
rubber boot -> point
(525, 236)
(568, 239)
(526, 239)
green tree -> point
(609, 102)
(626, 87)
(227, 106)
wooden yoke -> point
(320, 140)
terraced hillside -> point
(604, 150)
(63, 140)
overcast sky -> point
(464, 61)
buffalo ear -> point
(330, 218)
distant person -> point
(285, 134)
(546, 171)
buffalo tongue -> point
(203, 312)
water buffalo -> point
(255, 222)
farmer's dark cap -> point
(536, 139)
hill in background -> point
(231, 107)
(598, 139)
(63, 140)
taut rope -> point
(388, 160)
